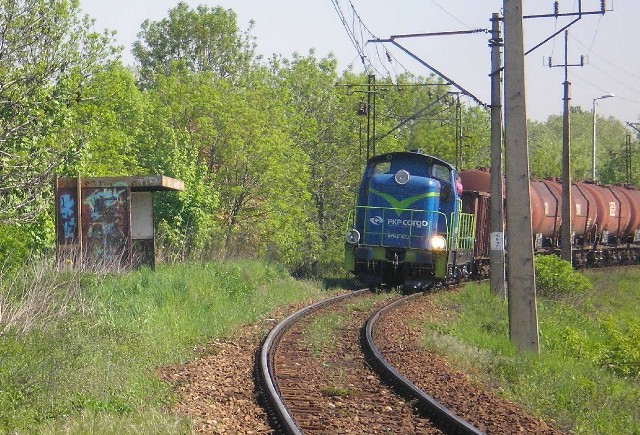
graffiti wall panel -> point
(67, 209)
(106, 228)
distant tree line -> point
(270, 150)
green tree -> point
(262, 176)
(323, 124)
(170, 143)
(47, 56)
(611, 152)
(545, 147)
(244, 182)
(476, 138)
(109, 125)
(201, 40)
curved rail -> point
(266, 362)
(441, 413)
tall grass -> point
(37, 295)
(90, 367)
(588, 372)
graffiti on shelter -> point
(105, 222)
(68, 221)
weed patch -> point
(586, 376)
(87, 366)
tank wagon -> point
(605, 219)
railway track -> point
(266, 364)
(305, 397)
(399, 341)
(445, 417)
(219, 393)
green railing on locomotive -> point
(463, 238)
(466, 232)
(465, 224)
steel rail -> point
(441, 414)
(266, 370)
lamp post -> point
(593, 151)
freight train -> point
(418, 222)
(408, 227)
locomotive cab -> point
(407, 223)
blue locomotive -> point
(408, 227)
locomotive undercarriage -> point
(383, 273)
(395, 271)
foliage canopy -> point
(270, 152)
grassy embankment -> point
(587, 376)
(78, 351)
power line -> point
(350, 33)
(595, 35)
(359, 33)
(615, 79)
(605, 60)
(450, 14)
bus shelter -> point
(107, 222)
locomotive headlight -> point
(402, 177)
(438, 243)
(353, 236)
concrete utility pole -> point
(567, 224)
(523, 315)
(496, 253)
(566, 242)
(371, 83)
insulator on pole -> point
(362, 108)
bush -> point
(556, 277)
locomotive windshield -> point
(420, 168)
(440, 172)
(382, 168)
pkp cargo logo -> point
(376, 220)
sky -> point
(608, 43)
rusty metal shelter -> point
(107, 222)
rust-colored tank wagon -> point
(476, 180)
(633, 195)
(622, 221)
(613, 210)
(605, 218)
(583, 211)
(546, 208)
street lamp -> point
(593, 151)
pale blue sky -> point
(608, 42)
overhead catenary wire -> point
(595, 35)
(450, 14)
(613, 65)
(359, 33)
